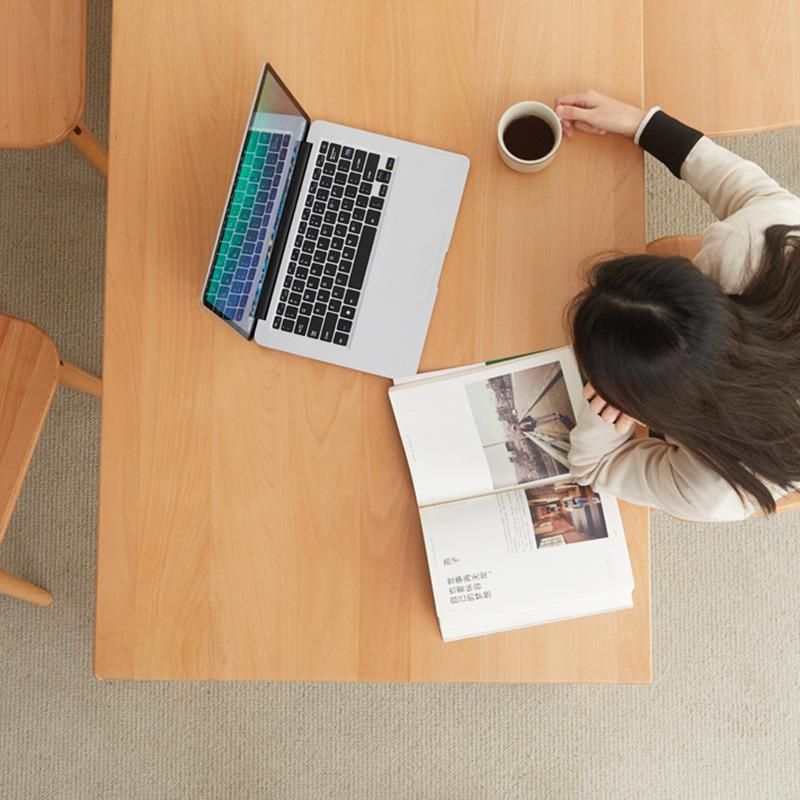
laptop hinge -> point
(303, 152)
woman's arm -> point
(724, 180)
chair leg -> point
(89, 147)
(22, 590)
(76, 378)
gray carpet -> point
(720, 721)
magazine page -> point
(471, 433)
(525, 550)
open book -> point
(511, 539)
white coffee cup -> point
(528, 108)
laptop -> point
(333, 238)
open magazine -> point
(512, 540)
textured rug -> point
(720, 721)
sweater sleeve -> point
(725, 181)
(650, 472)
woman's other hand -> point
(592, 112)
(613, 416)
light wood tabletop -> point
(257, 519)
(724, 67)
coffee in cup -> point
(528, 135)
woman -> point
(707, 352)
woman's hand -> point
(613, 416)
(592, 112)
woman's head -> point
(648, 332)
(718, 373)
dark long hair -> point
(717, 373)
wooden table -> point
(256, 514)
(42, 91)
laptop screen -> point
(275, 130)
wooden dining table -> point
(257, 519)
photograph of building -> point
(565, 514)
(523, 420)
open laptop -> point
(333, 238)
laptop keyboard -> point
(330, 253)
(253, 209)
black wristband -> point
(668, 140)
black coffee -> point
(529, 138)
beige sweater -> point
(663, 474)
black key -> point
(344, 325)
(312, 234)
(301, 228)
(347, 152)
(308, 247)
(350, 191)
(316, 270)
(287, 325)
(348, 253)
(345, 266)
(344, 165)
(320, 308)
(319, 258)
(306, 213)
(320, 160)
(333, 204)
(351, 297)
(334, 256)
(305, 308)
(299, 285)
(295, 298)
(390, 163)
(323, 147)
(284, 295)
(302, 273)
(362, 257)
(280, 310)
(383, 176)
(309, 199)
(344, 217)
(338, 292)
(276, 323)
(298, 240)
(319, 208)
(354, 179)
(337, 243)
(313, 282)
(347, 204)
(312, 189)
(372, 165)
(359, 213)
(341, 280)
(287, 284)
(330, 217)
(323, 243)
(351, 241)
(336, 191)
(323, 295)
(326, 282)
(301, 325)
(295, 254)
(358, 160)
(316, 175)
(340, 230)
(291, 312)
(291, 268)
(328, 328)
(335, 305)
(355, 226)
(333, 153)
(315, 221)
(348, 312)
(361, 201)
(314, 327)
(327, 230)
(373, 217)
(376, 202)
(330, 269)
(305, 259)
(309, 296)
(325, 183)
(329, 168)
(365, 188)
(340, 338)
(383, 190)
(340, 179)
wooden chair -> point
(688, 247)
(29, 371)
